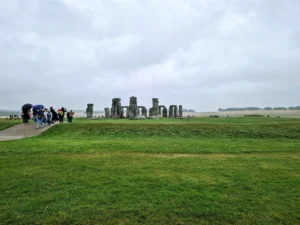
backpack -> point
(40, 114)
(61, 113)
(49, 114)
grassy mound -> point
(113, 130)
(243, 171)
(4, 124)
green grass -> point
(197, 171)
(4, 124)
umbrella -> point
(37, 107)
(26, 106)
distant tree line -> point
(188, 110)
(257, 108)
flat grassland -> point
(167, 171)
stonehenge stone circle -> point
(134, 111)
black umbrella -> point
(26, 106)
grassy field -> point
(8, 123)
(168, 171)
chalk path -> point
(22, 131)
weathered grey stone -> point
(144, 112)
(140, 117)
(153, 117)
(89, 111)
(171, 115)
(107, 113)
(163, 112)
(180, 111)
(116, 110)
(133, 111)
(150, 112)
(133, 108)
(155, 107)
(173, 112)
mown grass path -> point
(201, 171)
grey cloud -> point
(203, 54)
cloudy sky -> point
(203, 54)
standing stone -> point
(107, 113)
(144, 112)
(133, 111)
(133, 108)
(171, 112)
(165, 112)
(133, 100)
(180, 111)
(89, 111)
(116, 110)
(150, 112)
(175, 111)
(155, 107)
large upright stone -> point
(171, 115)
(116, 110)
(173, 111)
(133, 108)
(89, 111)
(144, 112)
(155, 107)
(180, 111)
(133, 111)
(165, 112)
(107, 113)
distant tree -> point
(294, 108)
(268, 108)
(280, 108)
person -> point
(26, 114)
(34, 111)
(45, 116)
(49, 117)
(71, 114)
(54, 115)
(61, 114)
(39, 118)
(68, 116)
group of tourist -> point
(43, 116)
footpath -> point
(22, 131)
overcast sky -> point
(203, 54)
